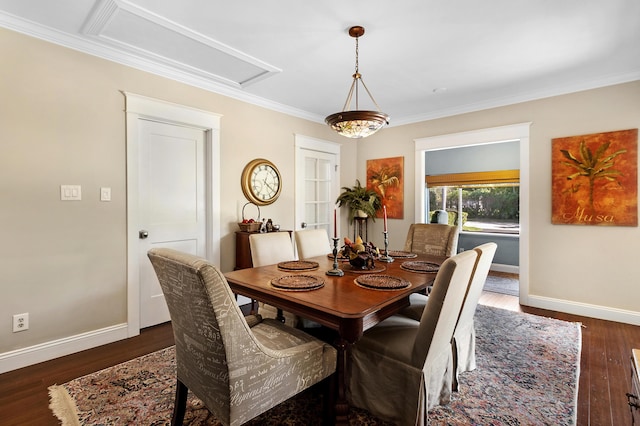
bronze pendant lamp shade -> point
(356, 123)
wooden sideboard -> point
(243, 250)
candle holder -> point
(386, 257)
(337, 272)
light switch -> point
(70, 192)
(105, 194)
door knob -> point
(143, 234)
(303, 225)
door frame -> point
(139, 107)
(512, 132)
(313, 144)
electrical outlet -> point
(20, 322)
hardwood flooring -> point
(604, 369)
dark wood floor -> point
(604, 369)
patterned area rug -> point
(527, 374)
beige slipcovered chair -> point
(402, 368)
(268, 249)
(312, 243)
(432, 238)
(239, 367)
(464, 336)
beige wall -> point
(584, 269)
(62, 122)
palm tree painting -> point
(594, 179)
(385, 176)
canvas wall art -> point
(595, 179)
(386, 177)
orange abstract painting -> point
(385, 176)
(594, 179)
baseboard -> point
(584, 309)
(511, 269)
(56, 348)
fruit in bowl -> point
(361, 255)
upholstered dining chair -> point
(238, 366)
(464, 336)
(401, 368)
(268, 249)
(432, 238)
(312, 243)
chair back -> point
(312, 243)
(239, 369)
(268, 249)
(439, 318)
(481, 270)
(271, 248)
(432, 238)
(207, 325)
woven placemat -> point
(375, 270)
(298, 265)
(297, 282)
(398, 254)
(382, 282)
(420, 266)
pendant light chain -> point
(356, 76)
(356, 123)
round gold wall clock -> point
(261, 182)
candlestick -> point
(335, 271)
(335, 223)
(386, 257)
(384, 209)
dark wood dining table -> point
(340, 304)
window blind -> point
(474, 178)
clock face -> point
(261, 182)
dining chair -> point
(312, 243)
(401, 368)
(238, 366)
(464, 336)
(432, 238)
(269, 249)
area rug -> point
(503, 284)
(528, 368)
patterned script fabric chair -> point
(464, 336)
(402, 368)
(268, 249)
(432, 238)
(312, 243)
(238, 367)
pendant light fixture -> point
(355, 123)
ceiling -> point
(420, 59)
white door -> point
(317, 183)
(172, 209)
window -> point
(483, 201)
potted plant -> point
(362, 202)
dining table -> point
(349, 304)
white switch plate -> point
(105, 194)
(70, 192)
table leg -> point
(342, 406)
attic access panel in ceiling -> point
(140, 32)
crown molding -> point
(548, 92)
(93, 48)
